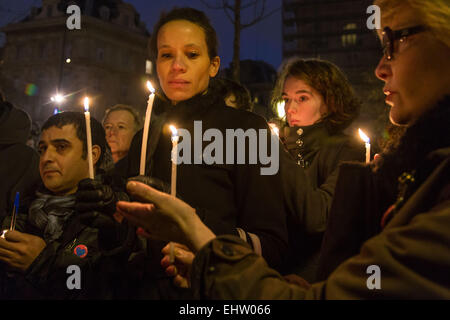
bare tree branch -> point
(215, 7)
(225, 7)
(249, 4)
(246, 25)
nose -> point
(110, 131)
(46, 157)
(179, 63)
(383, 69)
(290, 107)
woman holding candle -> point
(408, 242)
(230, 198)
(319, 104)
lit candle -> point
(148, 115)
(366, 139)
(173, 180)
(280, 109)
(274, 128)
(87, 116)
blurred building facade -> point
(106, 59)
(259, 78)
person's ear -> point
(96, 152)
(214, 66)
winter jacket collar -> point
(429, 133)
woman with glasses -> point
(400, 242)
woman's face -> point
(120, 129)
(303, 104)
(417, 77)
(183, 64)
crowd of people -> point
(309, 231)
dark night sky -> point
(259, 42)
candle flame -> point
(280, 109)
(274, 128)
(174, 131)
(86, 103)
(363, 136)
(150, 87)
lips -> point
(293, 122)
(49, 171)
(178, 83)
(389, 96)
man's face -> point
(61, 164)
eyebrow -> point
(298, 91)
(55, 141)
(166, 46)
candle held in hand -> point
(148, 115)
(366, 139)
(87, 116)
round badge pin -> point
(81, 250)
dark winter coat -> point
(226, 196)
(381, 187)
(309, 175)
(19, 164)
(411, 251)
(100, 253)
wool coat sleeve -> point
(260, 200)
(413, 260)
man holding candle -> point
(62, 230)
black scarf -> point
(49, 213)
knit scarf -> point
(49, 214)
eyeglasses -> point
(389, 37)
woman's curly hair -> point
(326, 78)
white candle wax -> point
(366, 139)
(148, 115)
(87, 116)
(367, 152)
(173, 180)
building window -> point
(49, 11)
(100, 54)
(349, 39)
(124, 90)
(148, 67)
(126, 20)
(104, 13)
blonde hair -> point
(433, 14)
